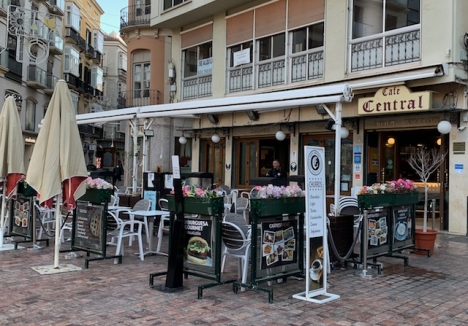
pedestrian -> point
(118, 172)
(277, 171)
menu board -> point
(89, 228)
(402, 226)
(378, 232)
(21, 213)
(279, 244)
(198, 246)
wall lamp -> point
(253, 115)
(320, 108)
(215, 138)
(445, 125)
(149, 133)
(280, 135)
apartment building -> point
(251, 64)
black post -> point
(175, 265)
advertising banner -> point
(199, 241)
(278, 244)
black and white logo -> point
(315, 163)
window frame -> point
(30, 115)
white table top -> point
(149, 213)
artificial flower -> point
(193, 191)
(98, 183)
(271, 191)
(394, 186)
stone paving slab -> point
(430, 291)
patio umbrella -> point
(12, 149)
(57, 165)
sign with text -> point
(402, 226)
(198, 247)
(278, 244)
(21, 216)
(395, 99)
(88, 228)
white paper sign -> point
(150, 180)
(205, 66)
(175, 166)
(241, 57)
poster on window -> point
(198, 236)
(205, 66)
(279, 243)
(241, 57)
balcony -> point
(97, 93)
(82, 45)
(90, 52)
(56, 7)
(392, 48)
(15, 69)
(56, 45)
(75, 83)
(88, 89)
(122, 74)
(37, 77)
(91, 131)
(137, 97)
(133, 16)
(71, 36)
(182, 13)
(196, 87)
(97, 57)
(4, 6)
(51, 81)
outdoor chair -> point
(46, 217)
(164, 206)
(128, 228)
(243, 204)
(141, 205)
(236, 243)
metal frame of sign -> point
(316, 226)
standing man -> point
(118, 172)
(277, 171)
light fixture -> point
(444, 127)
(253, 115)
(215, 138)
(344, 132)
(439, 141)
(330, 124)
(280, 135)
(391, 141)
(320, 108)
(182, 140)
(213, 119)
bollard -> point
(433, 205)
(365, 232)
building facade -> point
(406, 66)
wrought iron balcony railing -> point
(138, 97)
(137, 15)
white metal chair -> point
(124, 229)
(141, 205)
(243, 204)
(236, 244)
(164, 206)
(46, 218)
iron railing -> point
(138, 97)
(37, 75)
(136, 15)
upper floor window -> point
(72, 16)
(307, 38)
(241, 54)
(75, 98)
(198, 60)
(97, 78)
(30, 115)
(376, 16)
(171, 3)
(271, 47)
(71, 62)
(16, 96)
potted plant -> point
(199, 201)
(425, 162)
(97, 190)
(390, 193)
(274, 200)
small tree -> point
(425, 162)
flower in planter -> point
(98, 183)
(389, 187)
(271, 191)
(192, 191)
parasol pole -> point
(2, 218)
(58, 222)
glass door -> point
(213, 158)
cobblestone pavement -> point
(430, 291)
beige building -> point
(403, 51)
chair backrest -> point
(350, 210)
(242, 203)
(227, 189)
(114, 200)
(163, 204)
(142, 205)
(233, 237)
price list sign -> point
(88, 227)
(315, 191)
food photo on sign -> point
(316, 263)
(278, 244)
(198, 246)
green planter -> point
(385, 200)
(202, 206)
(272, 206)
(26, 190)
(97, 195)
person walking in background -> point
(277, 171)
(118, 172)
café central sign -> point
(395, 99)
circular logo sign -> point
(314, 162)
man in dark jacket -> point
(118, 172)
(277, 171)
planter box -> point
(97, 195)
(386, 200)
(202, 206)
(26, 190)
(273, 206)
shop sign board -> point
(395, 99)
